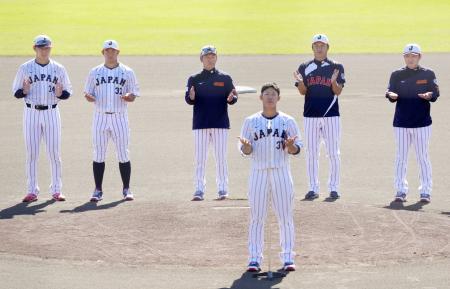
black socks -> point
(99, 169)
(125, 173)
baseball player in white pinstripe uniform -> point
(269, 136)
(111, 86)
(413, 88)
(42, 83)
(321, 80)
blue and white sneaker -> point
(127, 195)
(97, 196)
(289, 266)
(334, 195)
(223, 195)
(198, 196)
(253, 267)
(425, 198)
(400, 197)
(311, 195)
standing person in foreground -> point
(269, 137)
(210, 92)
(412, 88)
(42, 83)
(111, 86)
(321, 81)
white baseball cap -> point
(412, 48)
(111, 44)
(320, 38)
(42, 41)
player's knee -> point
(31, 156)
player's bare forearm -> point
(336, 87)
(302, 88)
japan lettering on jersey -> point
(108, 85)
(267, 137)
(317, 78)
(43, 79)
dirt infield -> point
(360, 241)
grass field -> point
(177, 27)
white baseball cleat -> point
(96, 196)
(289, 266)
(223, 195)
(127, 195)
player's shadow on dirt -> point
(401, 206)
(446, 213)
(24, 209)
(248, 281)
(93, 206)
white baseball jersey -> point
(270, 178)
(111, 117)
(43, 79)
(42, 124)
(267, 137)
(109, 84)
(328, 130)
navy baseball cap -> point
(208, 49)
(42, 41)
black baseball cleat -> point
(334, 195)
(311, 195)
(198, 196)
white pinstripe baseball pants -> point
(46, 124)
(278, 183)
(114, 126)
(327, 129)
(218, 137)
(420, 138)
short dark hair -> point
(270, 85)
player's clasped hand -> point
(298, 76)
(26, 86)
(58, 89)
(392, 95)
(89, 97)
(232, 94)
(335, 75)
(426, 96)
(246, 145)
(290, 144)
(129, 97)
(192, 93)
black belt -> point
(41, 107)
